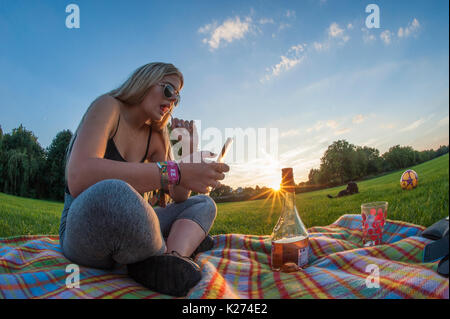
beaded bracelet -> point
(174, 173)
(170, 173)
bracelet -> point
(174, 172)
(164, 177)
(170, 173)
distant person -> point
(119, 153)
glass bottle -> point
(290, 243)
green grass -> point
(423, 205)
(26, 216)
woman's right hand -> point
(199, 177)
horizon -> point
(276, 186)
(311, 69)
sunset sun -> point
(275, 186)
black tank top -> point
(112, 153)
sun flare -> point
(275, 187)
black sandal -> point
(169, 274)
(205, 245)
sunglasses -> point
(170, 92)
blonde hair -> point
(132, 92)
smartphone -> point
(225, 149)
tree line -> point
(29, 170)
(343, 162)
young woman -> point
(120, 152)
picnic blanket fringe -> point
(238, 266)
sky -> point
(294, 76)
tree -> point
(55, 165)
(399, 157)
(313, 176)
(2, 160)
(442, 150)
(338, 162)
(22, 160)
(19, 171)
(248, 192)
(222, 190)
(368, 161)
(424, 156)
(362, 162)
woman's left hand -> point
(187, 131)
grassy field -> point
(423, 205)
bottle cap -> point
(287, 180)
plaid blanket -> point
(239, 267)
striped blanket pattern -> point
(238, 266)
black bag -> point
(440, 247)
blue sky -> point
(311, 69)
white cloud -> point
(411, 29)
(316, 127)
(443, 121)
(320, 124)
(285, 65)
(228, 31)
(337, 127)
(283, 26)
(412, 126)
(266, 21)
(387, 126)
(368, 37)
(290, 13)
(293, 57)
(358, 119)
(332, 124)
(290, 133)
(293, 153)
(205, 29)
(335, 31)
(386, 37)
(297, 48)
(321, 46)
(342, 131)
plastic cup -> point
(373, 220)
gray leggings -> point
(110, 223)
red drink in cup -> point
(373, 220)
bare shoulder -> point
(105, 104)
(103, 112)
(97, 125)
